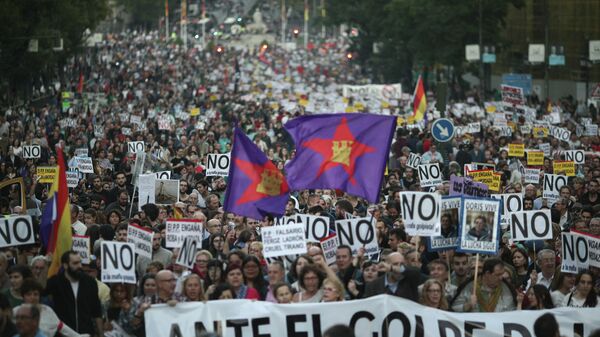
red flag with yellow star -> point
(255, 187)
(341, 151)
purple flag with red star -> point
(255, 187)
(343, 151)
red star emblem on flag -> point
(267, 181)
(341, 150)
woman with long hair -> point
(254, 277)
(562, 285)
(432, 295)
(299, 263)
(520, 261)
(119, 306)
(192, 288)
(538, 298)
(217, 246)
(584, 295)
(235, 278)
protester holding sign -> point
(491, 294)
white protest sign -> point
(98, 131)
(510, 203)
(146, 190)
(421, 213)
(178, 229)
(32, 151)
(81, 244)
(547, 148)
(218, 165)
(134, 119)
(285, 220)
(358, 233)
(480, 226)
(575, 252)
(164, 122)
(449, 221)
(329, 247)
(187, 252)
(591, 130)
(72, 178)
(135, 147)
(593, 250)
(163, 175)
(16, 231)
(85, 165)
(531, 225)
(283, 240)
(560, 133)
(316, 228)
(81, 152)
(474, 127)
(118, 262)
(577, 156)
(414, 160)
(531, 176)
(430, 175)
(141, 238)
(552, 185)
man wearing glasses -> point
(28, 321)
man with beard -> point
(75, 296)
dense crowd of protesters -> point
(258, 90)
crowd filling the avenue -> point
(166, 175)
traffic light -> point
(296, 32)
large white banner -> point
(383, 315)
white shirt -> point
(546, 282)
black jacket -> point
(407, 288)
(79, 314)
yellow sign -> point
(540, 132)
(400, 120)
(194, 112)
(275, 106)
(46, 174)
(564, 167)
(488, 177)
(516, 150)
(385, 104)
(496, 182)
(490, 108)
(350, 109)
(213, 98)
(359, 106)
(535, 158)
(303, 102)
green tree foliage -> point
(418, 33)
(47, 21)
(146, 13)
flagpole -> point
(166, 20)
(305, 24)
